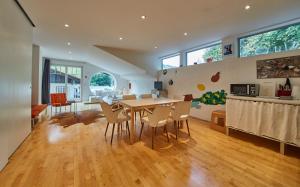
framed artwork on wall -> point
(227, 50)
(278, 68)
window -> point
(209, 54)
(102, 82)
(279, 40)
(66, 79)
(171, 62)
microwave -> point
(251, 90)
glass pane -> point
(279, 40)
(101, 82)
(74, 83)
(212, 54)
(57, 79)
(172, 62)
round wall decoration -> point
(201, 87)
(165, 72)
(171, 82)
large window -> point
(102, 82)
(283, 39)
(66, 79)
(209, 54)
(171, 62)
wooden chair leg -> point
(188, 128)
(167, 133)
(106, 129)
(153, 137)
(141, 131)
(175, 130)
(127, 126)
(112, 134)
(178, 125)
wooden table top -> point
(148, 102)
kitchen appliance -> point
(251, 90)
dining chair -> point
(156, 118)
(180, 113)
(131, 97)
(146, 96)
(117, 116)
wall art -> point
(216, 77)
(278, 68)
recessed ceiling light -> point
(70, 52)
(120, 38)
(247, 7)
(143, 17)
(69, 43)
(155, 47)
(66, 25)
(185, 34)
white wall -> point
(88, 71)
(233, 70)
(15, 78)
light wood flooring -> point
(79, 155)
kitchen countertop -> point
(265, 99)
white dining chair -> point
(117, 116)
(131, 97)
(146, 96)
(156, 118)
(181, 112)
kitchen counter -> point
(266, 99)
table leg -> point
(132, 126)
(282, 147)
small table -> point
(138, 104)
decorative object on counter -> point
(213, 98)
(285, 90)
(165, 72)
(228, 50)
(216, 77)
(296, 92)
(201, 87)
(171, 82)
(278, 68)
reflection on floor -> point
(79, 155)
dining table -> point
(139, 104)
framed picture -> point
(227, 50)
(278, 68)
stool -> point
(218, 119)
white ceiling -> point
(102, 22)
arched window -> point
(102, 81)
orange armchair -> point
(59, 100)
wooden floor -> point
(79, 155)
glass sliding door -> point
(66, 79)
(74, 83)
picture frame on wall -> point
(227, 50)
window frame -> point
(100, 72)
(171, 56)
(262, 32)
(201, 48)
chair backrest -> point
(181, 108)
(108, 112)
(160, 113)
(146, 96)
(129, 97)
(60, 98)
